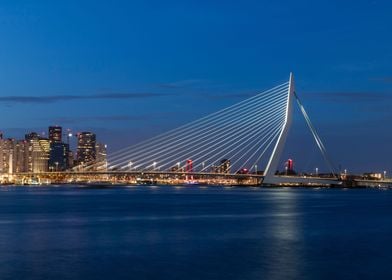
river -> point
(166, 232)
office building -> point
(225, 166)
(38, 153)
(6, 155)
(86, 153)
(58, 159)
(101, 157)
(55, 134)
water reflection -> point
(282, 238)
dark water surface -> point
(194, 233)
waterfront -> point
(166, 232)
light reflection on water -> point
(285, 230)
(188, 232)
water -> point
(194, 233)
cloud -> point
(218, 96)
(183, 84)
(205, 89)
(350, 97)
(111, 118)
(116, 118)
(58, 98)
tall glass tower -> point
(86, 152)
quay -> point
(181, 178)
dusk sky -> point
(128, 70)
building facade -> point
(55, 134)
(101, 157)
(59, 156)
(38, 153)
(86, 153)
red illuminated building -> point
(189, 166)
(290, 164)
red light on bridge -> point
(243, 171)
(290, 164)
(189, 166)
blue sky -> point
(128, 70)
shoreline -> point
(114, 185)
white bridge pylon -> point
(270, 177)
(272, 166)
(245, 136)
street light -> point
(154, 164)
(316, 171)
(130, 165)
(385, 174)
(256, 168)
(202, 164)
(69, 135)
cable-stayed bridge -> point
(240, 143)
(244, 140)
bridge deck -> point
(170, 177)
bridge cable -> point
(316, 136)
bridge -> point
(240, 144)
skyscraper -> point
(55, 134)
(38, 153)
(14, 156)
(225, 166)
(86, 153)
(58, 159)
(6, 155)
(101, 160)
(21, 156)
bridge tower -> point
(273, 163)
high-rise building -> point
(290, 164)
(2, 156)
(189, 165)
(6, 155)
(21, 156)
(70, 159)
(215, 168)
(13, 156)
(101, 157)
(58, 159)
(38, 153)
(225, 166)
(86, 153)
(31, 136)
(55, 134)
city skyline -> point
(54, 151)
(140, 71)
